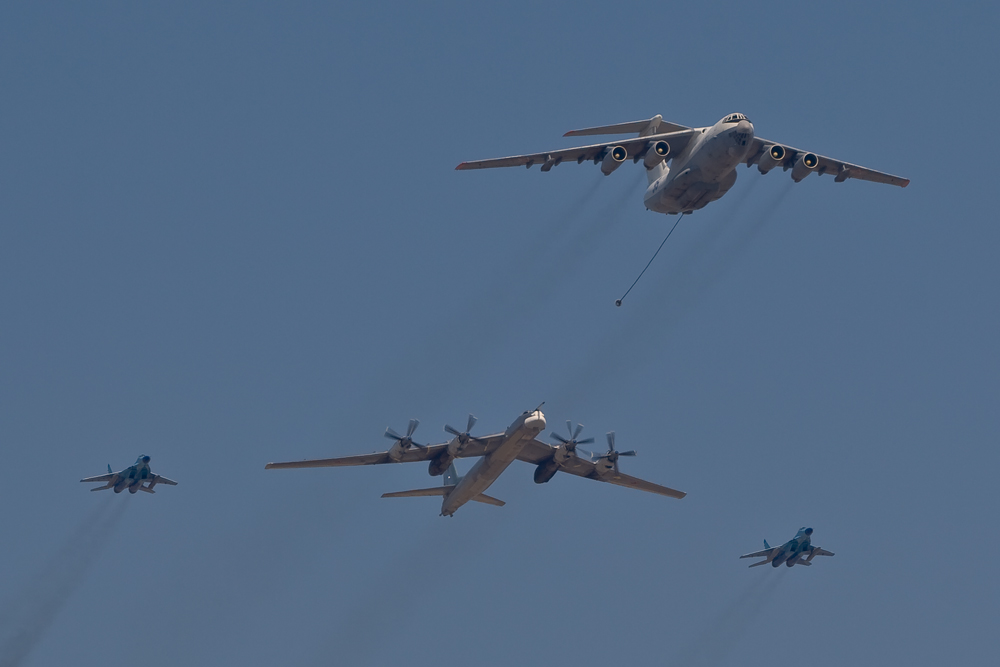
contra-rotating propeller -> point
(574, 436)
(405, 441)
(463, 438)
(613, 454)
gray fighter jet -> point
(135, 478)
(797, 551)
(702, 160)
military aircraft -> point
(497, 452)
(702, 160)
(796, 551)
(137, 477)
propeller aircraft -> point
(702, 160)
(137, 477)
(796, 551)
(495, 452)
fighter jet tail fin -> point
(766, 545)
(109, 469)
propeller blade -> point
(616, 466)
(630, 452)
(611, 440)
(414, 423)
(392, 435)
(556, 436)
(472, 422)
(589, 455)
(576, 433)
(451, 429)
(585, 441)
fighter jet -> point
(702, 160)
(498, 451)
(137, 477)
(797, 551)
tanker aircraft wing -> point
(782, 155)
(634, 148)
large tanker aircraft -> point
(690, 167)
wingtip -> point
(461, 166)
(905, 182)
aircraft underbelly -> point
(483, 474)
(701, 182)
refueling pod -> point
(804, 165)
(656, 152)
(773, 156)
(613, 159)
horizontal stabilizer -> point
(763, 562)
(102, 488)
(653, 125)
(415, 493)
(489, 500)
(146, 489)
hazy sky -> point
(233, 234)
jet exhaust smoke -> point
(24, 620)
(724, 630)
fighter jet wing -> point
(760, 554)
(476, 447)
(817, 551)
(160, 479)
(635, 147)
(101, 478)
(536, 452)
(841, 170)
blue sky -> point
(233, 234)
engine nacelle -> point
(656, 153)
(804, 166)
(773, 156)
(613, 159)
(546, 471)
(439, 465)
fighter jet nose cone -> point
(809, 531)
(145, 459)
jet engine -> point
(773, 156)
(613, 159)
(656, 153)
(804, 165)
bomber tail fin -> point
(451, 476)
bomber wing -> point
(537, 452)
(476, 447)
(635, 147)
(840, 170)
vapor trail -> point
(24, 620)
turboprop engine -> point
(442, 461)
(656, 152)
(804, 166)
(773, 156)
(564, 451)
(613, 159)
